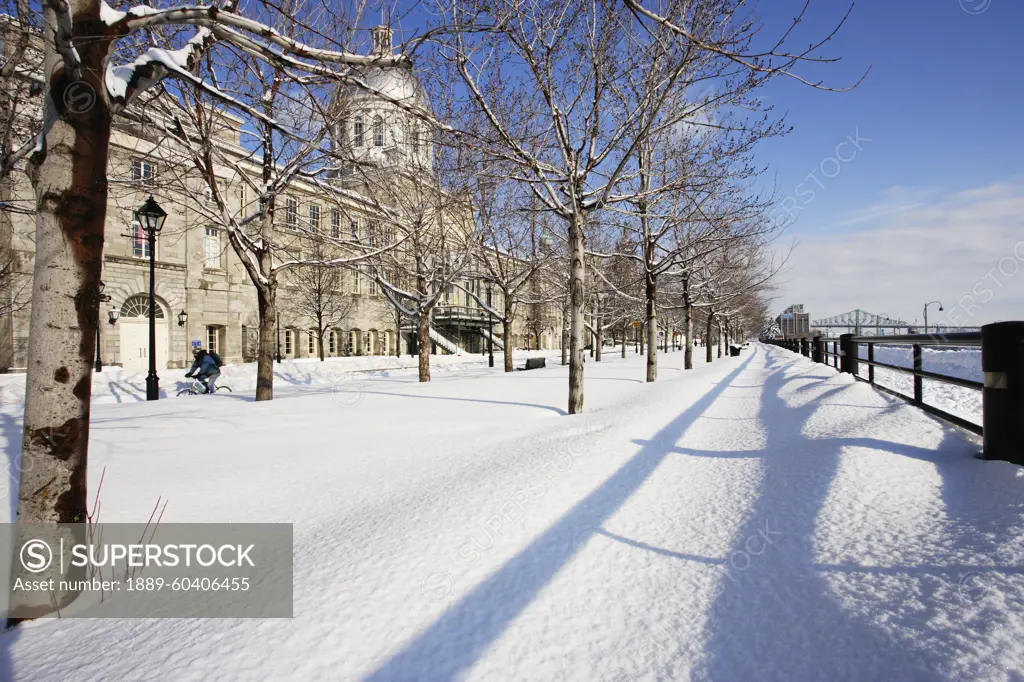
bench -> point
(535, 363)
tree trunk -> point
(320, 345)
(652, 327)
(707, 338)
(266, 298)
(565, 346)
(687, 326)
(577, 280)
(600, 340)
(719, 330)
(424, 345)
(624, 333)
(506, 341)
(69, 176)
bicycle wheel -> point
(186, 391)
(223, 388)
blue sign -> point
(197, 344)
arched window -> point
(378, 131)
(312, 342)
(385, 343)
(138, 306)
(353, 342)
(370, 342)
(357, 131)
(289, 342)
(332, 342)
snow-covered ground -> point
(761, 518)
(964, 363)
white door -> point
(135, 344)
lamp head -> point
(150, 215)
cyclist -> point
(208, 368)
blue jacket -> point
(207, 366)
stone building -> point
(203, 293)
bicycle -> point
(197, 387)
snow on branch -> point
(62, 39)
(210, 17)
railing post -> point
(918, 381)
(1002, 362)
(871, 360)
(804, 349)
(818, 354)
(847, 354)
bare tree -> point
(550, 78)
(316, 293)
(67, 165)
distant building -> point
(794, 323)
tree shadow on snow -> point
(776, 618)
(458, 638)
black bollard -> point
(1002, 363)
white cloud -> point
(964, 249)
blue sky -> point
(933, 203)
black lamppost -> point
(182, 321)
(103, 298)
(490, 327)
(926, 313)
(398, 332)
(279, 338)
(151, 218)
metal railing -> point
(1002, 364)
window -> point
(212, 338)
(138, 306)
(378, 131)
(335, 223)
(291, 212)
(373, 284)
(142, 171)
(241, 197)
(312, 341)
(332, 342)
(140, 241)
(385, 343)
(289, 341)
(314, 217)
(353, 342)
(371, 233)
(353, 226)
(211, 248)
(356, 281)
(357, 132)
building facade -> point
(794, 323)
(204, 295)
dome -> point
(393, 82)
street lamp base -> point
(152, 386)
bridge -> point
(862, 322)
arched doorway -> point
(134, 334)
